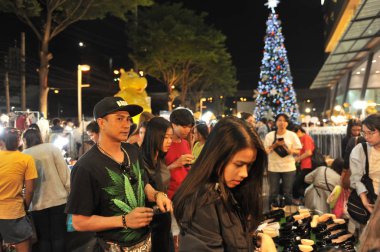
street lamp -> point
(81, 68)
(201, 104)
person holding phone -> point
(281, 168)
(179, 154)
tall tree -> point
(176, 46)
(220, 81)
(275, 89)
(49, 18)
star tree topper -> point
(272, 4)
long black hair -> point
(202, 130)
(351, 123)
(153, 140)
(229, 136)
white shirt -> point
(277, 163)
(374, 171)
(53, 182)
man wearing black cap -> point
(108, 188)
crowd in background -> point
(208, 172)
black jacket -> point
(214, 227)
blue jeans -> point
(15, 230)
(286, 186)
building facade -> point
(351, 72)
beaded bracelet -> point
(124, 222)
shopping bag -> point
(340, 208)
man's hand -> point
(139, 217)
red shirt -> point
(177, 175)
(307, 144)
(21, 123)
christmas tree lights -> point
(275, 89)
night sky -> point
(242, 21)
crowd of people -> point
(178, 184)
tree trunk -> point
(45, 57)
(184, 87)
(196, 100)
(170, 98)
(183, 95)
(7, 97)
(43, 75)
(22, 72)
(170, 105)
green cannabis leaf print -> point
(125, 197)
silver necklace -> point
(124, 168)
(110, 156)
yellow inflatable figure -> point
(132, 90)
(371, 108)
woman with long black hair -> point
(200, 134)
(157, 140)
(218, 205)
(354, 127)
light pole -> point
(81, 68)
(201, 105)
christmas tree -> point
(275, 90)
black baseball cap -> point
(112, 104)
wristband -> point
(156, 195)
(124, 222)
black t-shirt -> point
(154, 175)
(98, 188)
